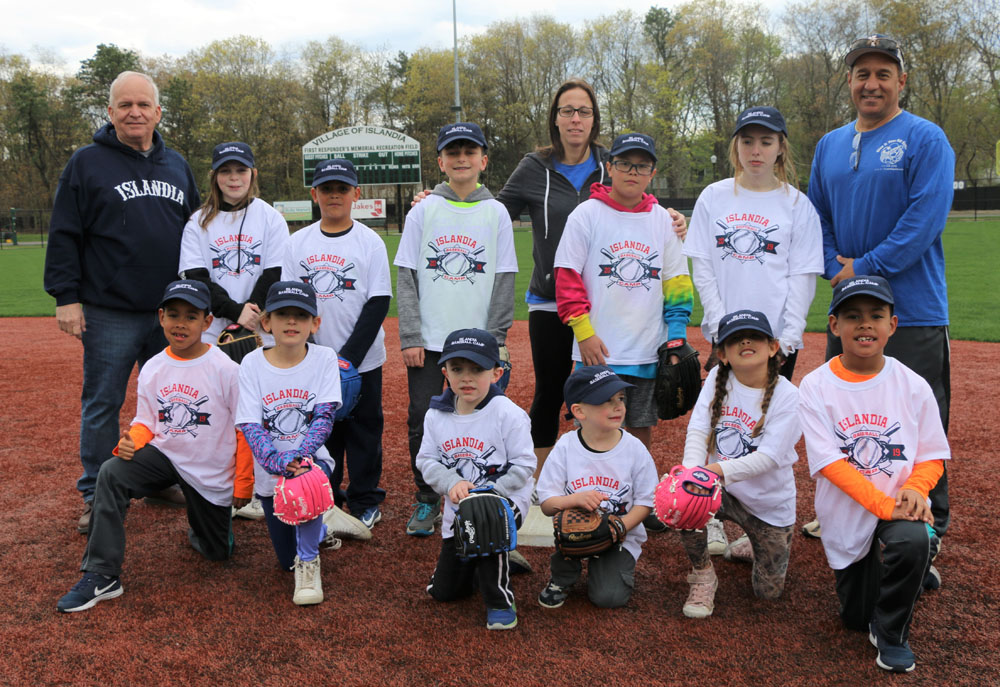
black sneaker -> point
(553, 596)
(893, 657)
(91, 588)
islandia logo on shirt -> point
(469, 457)
(235, 254)
(745, 237)
(328, 275)
(615, 493)
(630, 266)
(867, 445)
(288, 412)
(455, 258)
(732, 435)
(180, 409)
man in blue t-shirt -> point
(882, 185)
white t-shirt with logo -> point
(624, 258)
(456, 252)
(282, 401)
(189, 405)
(769, 496)
(754, 240)
(346, 271)
(480, 446)
(884, 426)
(625, 475)
(235, 247)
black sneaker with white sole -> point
(91, 589)
(553, 596)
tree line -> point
(681, 75)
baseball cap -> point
(189, 290)
(476, 345)
(593, 384)
(627, 142)
(877, 42)
(291, 294)
(460, 131)
(861, 285)
(767, 117)
(232, 151)
(741, 321)
(337, 169)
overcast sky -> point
(71, 30)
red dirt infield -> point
(184, 620)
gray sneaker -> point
(425, 515)
(553, 596)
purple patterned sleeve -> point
(318, 432)
(263, 450)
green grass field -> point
(970, 248)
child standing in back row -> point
(288, 396)
(346, 263)
(744, 428)
(876, 448)
(456, 270)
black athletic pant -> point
(926, 351)
(552, 357)
(883, 587)
(360, 439)
(422, 383)
(455, 578)
(119, 481)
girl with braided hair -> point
(744, 428)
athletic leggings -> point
(771, 546)
(552, 357)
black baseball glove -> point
(484, 524)
(236, 341)
(677, 385)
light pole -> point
(457, 107)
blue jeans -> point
(114, 341)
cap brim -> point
(863, 291)
(619, 151)
(290, 303)
(744, 327)
(765, 124)
(852, 57)
(603, 392)
(484, 361)
(232, 157)
(335, 177)
(187, 298)
(448, 141)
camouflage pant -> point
(771, 546)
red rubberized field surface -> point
(183, 620)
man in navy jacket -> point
(114, 245)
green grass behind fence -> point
(971, 250)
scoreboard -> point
(380, 155)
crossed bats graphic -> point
(469, 267)
(851, 445)
(616, 261)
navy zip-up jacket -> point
(115, 234)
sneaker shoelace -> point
(89, 579)
(424, 510)
(702, 593)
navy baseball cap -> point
(337, 169)
(593, 384)
(460, 131)
(877, 42)
(627, 142)
(861, 285)
(767, 117)
(291, 294)
(476, 345)
(741, 321)
(189, 290)
(234, 151)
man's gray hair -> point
(124, 75)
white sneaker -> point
(251, 511)
(701, 597)
(717, 541)
(331, 542)
(308, 582)
(343, 524)
(740, 550)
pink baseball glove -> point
(303, 498)
(679, 505)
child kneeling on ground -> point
(182, 434)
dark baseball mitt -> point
(484, 524)
(580, 533)
(677, 385)
(236, 341)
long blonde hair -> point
(212, 205)
(784, 166)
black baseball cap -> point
(291, 294)
(741, 321)
(876, 42)
(593, 384)
(460, 131)
(337, 169)
(767, 117)
(232, 151)
(189, 290)
(861, 285)
(627, 142)
(476, 345)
